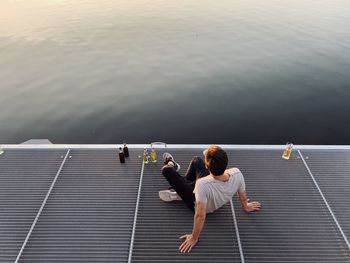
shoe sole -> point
(169, 196)
(172, 159)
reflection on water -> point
(177, 71)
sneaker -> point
(168, 158)
(169, 196)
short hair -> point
(216, 160)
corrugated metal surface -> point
(294, 224)
(25, 177)
(331, 170)
(89, 214)
(160, 224)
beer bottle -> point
(126, 150)
(153, 155)
(121, 155)
(287, 151)
(145, 156)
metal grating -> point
(160, 224)
(331, 169)
(25, 177)
(294, 224)
(89, 214)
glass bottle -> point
(126, 150)
(153, 155)
(145, 156)
(121, 155)
(287, 151)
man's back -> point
(216, 193)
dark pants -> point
(184, 185)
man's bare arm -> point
(199, 219)
(246, 204)
(198, 223)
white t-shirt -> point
(216, 193)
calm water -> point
(186, 71)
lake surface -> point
(187, 71)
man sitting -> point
(206, 187)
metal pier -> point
(77, 203)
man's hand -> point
(252, 206)
(246, 204)
(188, 244)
